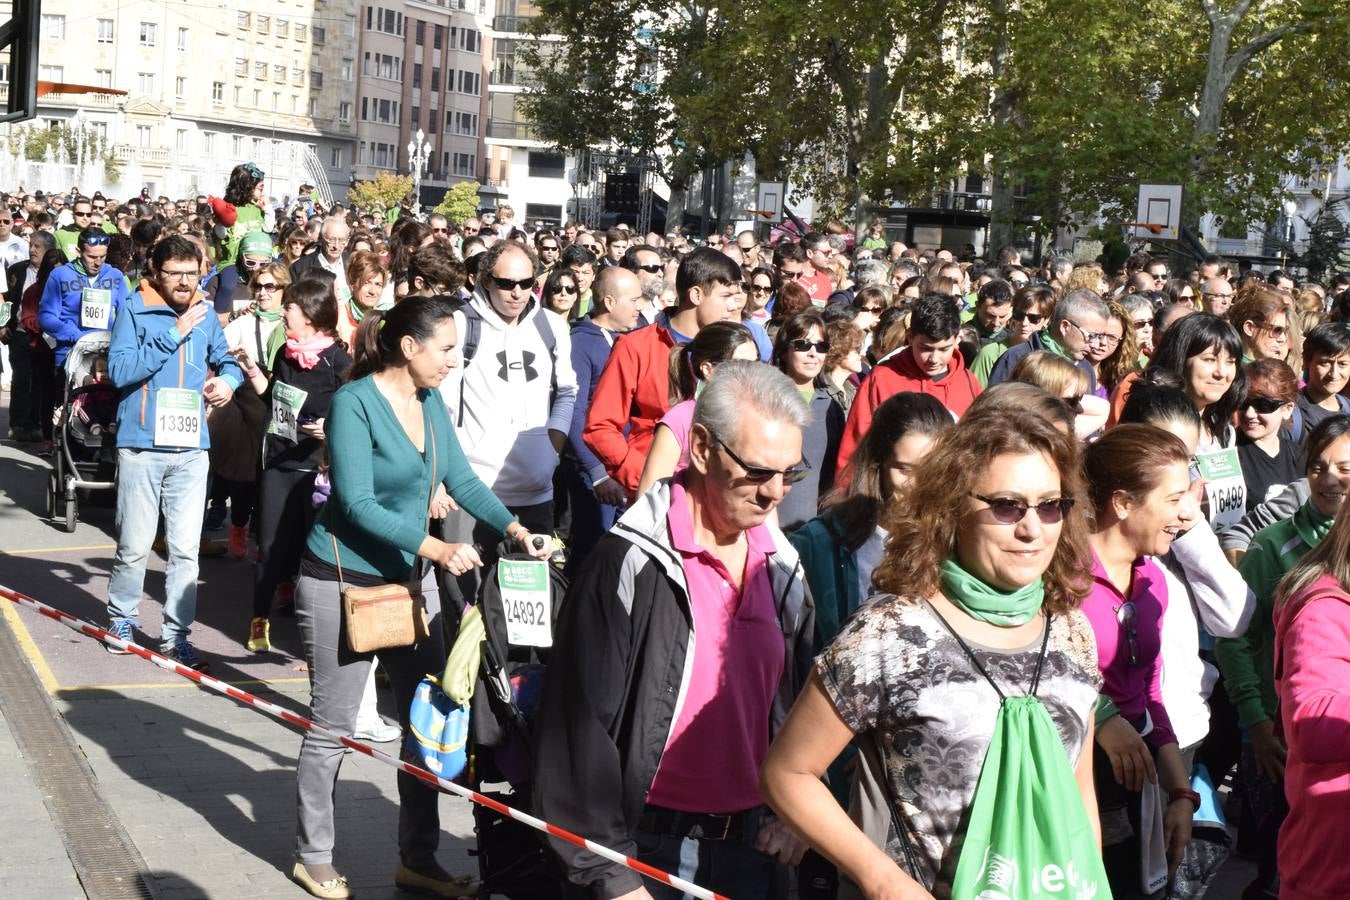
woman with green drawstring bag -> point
(968, 684)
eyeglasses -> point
(548, 248)
(874, 310)
(1215, 294)
(1142, 323)
(1010, 511)
(801, 345)
(336, 241)
(267, 287)
(440, 231)
(594, 248)
(509, 284)
(1033, 318)
(1128, 617)
(828, 251)
(1091, 337)
(468, 231)
(82, 215)
(96, 240)
(760, 288)
(761, 474)
(250, 263)
(1263, 405)
(1278, 332)
(100, 207)
(652, 268)
(795, 276)
(567, 289)
(186, 275)
(1109, 340)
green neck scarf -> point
(1311, 525)
(989, 604)
(266, 315)
(1055, 346)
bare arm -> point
(809, 741)
(1087, 786)
(662, 458)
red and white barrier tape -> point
(304, 724)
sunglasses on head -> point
(1010, 511)
(96, 240)
(507, 284)
(1033, 318)
(761, 474)
(1263, 405)
(802, 345)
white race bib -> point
(286, 404)
(178, 418)
(527, 602)
(6, 310)
(1225, 489)
(96, 308)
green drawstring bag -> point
(1027, 835)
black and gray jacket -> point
(619, 673)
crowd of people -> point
(826, 509)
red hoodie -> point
(632, 395)
(956, 391)
(1312, 671)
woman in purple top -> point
(1141, 498)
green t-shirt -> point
(248, 218)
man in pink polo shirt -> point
(681, 645)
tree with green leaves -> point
(1328, 249)
(460, 202)
(385, 191)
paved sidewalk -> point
(35, 861)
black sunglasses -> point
(1127, 616)
(567, 289)
(1010, 511)
(552, 248)
(802, 345)
(762, 475)
(507, 284)
(653, 268)
(1264, 405)
(1033, 318)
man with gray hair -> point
(331, 256)
(685, 639)
(1079, 320)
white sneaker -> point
(380, 733)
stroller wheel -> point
(51, 494)
(72, 514)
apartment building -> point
(208, 85)
(423, 65)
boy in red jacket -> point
(929, 365)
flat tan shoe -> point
(333, 889)
(440, 885)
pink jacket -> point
(1312, 680)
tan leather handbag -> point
(387, 615)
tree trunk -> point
(1001, 107)
(679, 195)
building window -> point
(238, 96)
(420, 33)
(463, 164)
(315, 78)
(283, 28)
(52, 73)
(264, 24)
(546, 165)
(469, 82)
(183, 39)
(335, 158)
(260, 70)
(241, 66)
(466, 123)
(437, 38)
(314, 108)
(208, 142)
(238, 143)
(297, 75)
(144, 136)
(180, 140)
(436, 80)
(276, 101)
(103, 77)
(318, 36)
(279, 73)
(180, 87)
(257, 99)
(217, 92)
(344, 112)
(100, 129)
(417, 75)
(149, 34)
(53, 27)
(145, 83)
(347, 70)
(105, 31)
(301, 31)
(244, 21)
(416, 117)
(469, 40)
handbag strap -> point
(426, 522)
(906, 841)
(979, 667)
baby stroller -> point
(84, 448)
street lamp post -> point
(419, 151)
(1290, 208)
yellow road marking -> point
(30, 649)
(176, 685)
(35, 550)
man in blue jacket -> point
(165, 345)
(82, 296)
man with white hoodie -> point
(512, 397)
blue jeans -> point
(731, 868)
(149, 481)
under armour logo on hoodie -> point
(525, 362)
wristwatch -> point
(1184, 794)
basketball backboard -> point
(1159, 205)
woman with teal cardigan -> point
(391, 448)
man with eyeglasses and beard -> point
(547, 246)
(646, 264)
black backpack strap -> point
(979, 667)
(473, 334)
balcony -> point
(156, 156)
(511, 24)
(102, 101)
(506, 129)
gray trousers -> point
(337, 677)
